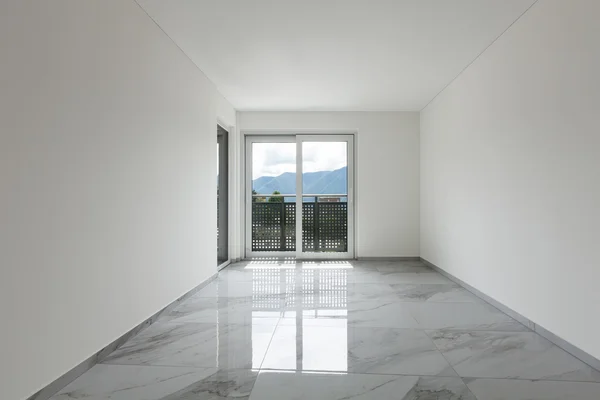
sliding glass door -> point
(271, 196)
(324, 206)
(299, 200)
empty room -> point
(300, 199)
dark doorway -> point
(222, 196)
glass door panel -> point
(326, 171)
(325, 197)
(273, 197)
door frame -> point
(298, 138)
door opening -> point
(222, 196)
(299, 200)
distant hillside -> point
(324, 182)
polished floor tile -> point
(374, 275)
(228, 310)
(399, 267)
(121, 382)
(510, 389)
(414, 278)
(301, 386)
(270, 329)
(413, 315)
(308, 318)
(308, 348)
(196, 345)
(516, 355)
(234, 288)
(359, 350)
(223, 384)
(435, 293)
(394, 351)
(381, 314)
(226, 288)
(473, 316)
(357, 292)
(125, 382)
(405, 266)
(236, 274)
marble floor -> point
(281, 330)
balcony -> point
(324, 224)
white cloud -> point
(273, 159)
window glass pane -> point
(274, 168)
(273, 197)
(325, 197)
(325, 169)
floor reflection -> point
(335, 330)
(313, 291)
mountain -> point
(322, 182)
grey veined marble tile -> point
(370, 292)
(196, 345)
(464, 316)
(394, 351)
(399, 268)
(236, 274)
(223, 384)
(301, 386)
(365, 275)
(516, 355)
(431, 277)
(435, 293)
(359, 350)
(395, 264)
(328, 311)
(229, 310)
(391, 277)
(502, 389)
(233, 288)
(308, 348)
(126, 382)
(381, 314)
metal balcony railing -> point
(324, 223)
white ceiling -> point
(333, 54)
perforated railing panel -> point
(290, 227)
(324, 227)
(266, 226)
(308, 227)
(273, 226)
(332, 227)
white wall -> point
(510, 187)
(107, 177)
(387, 170)
(226, 114)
